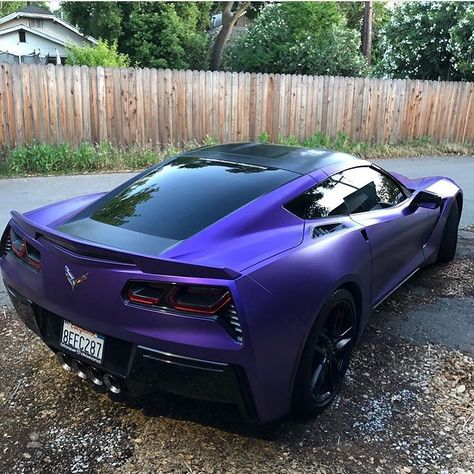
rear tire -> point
(326, 355)
(447, 248)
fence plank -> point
(55, 104)
(4, 139)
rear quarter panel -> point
(298, 283)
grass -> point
(42, 159)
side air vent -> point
(322, 230)
(232, 323)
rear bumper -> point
(143, 369)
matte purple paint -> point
(281, 276)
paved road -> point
(427, 322)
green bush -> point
(428, 40)
(298, 38)
(103, 54)
(37, 158)
(42, 159)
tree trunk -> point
(229, 20)
(219, 45)
(367, 33)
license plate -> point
(83, 342)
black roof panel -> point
(297, 159)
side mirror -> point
(427, 200)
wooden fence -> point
(56, 104)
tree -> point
(153, 34)
(231, 12)
(461, 45)
(428, 40)
(167, 35)
(367, 32)
(354, 13)
(103, 54)
(98, 19)
(9, 7)
(298, 37)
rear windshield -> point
(183, 197)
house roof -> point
(34, 11)
(22, 27)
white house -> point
(34, 32)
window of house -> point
(36, 23)
(22, 36)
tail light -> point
(149, 294)
(23, 250)
(201, 299)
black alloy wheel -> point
(326, 356)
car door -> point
(395, 230)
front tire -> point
(447, 248)
(326, 355)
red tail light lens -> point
(25, 251)
(18, 244)
(33, 256)
(149, 294)
(199, 299)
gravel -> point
(407, 405)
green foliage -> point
(209, 140)
(461, 45)
(167, 35)
(103, 54)
(153, 34)
(63, 159)
(429, 40)
(301, 38)
(304, 17)
(98, 19)
(354, 15)
(42, 159)
(264, 137)
(9, 7)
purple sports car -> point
(241, 273)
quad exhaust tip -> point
(64, 361)
(88, 372)
(95, 376)
(79, 368)
(112, 384)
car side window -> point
(356, 190)
(325, 199)
(372, 190)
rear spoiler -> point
(145, 263)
